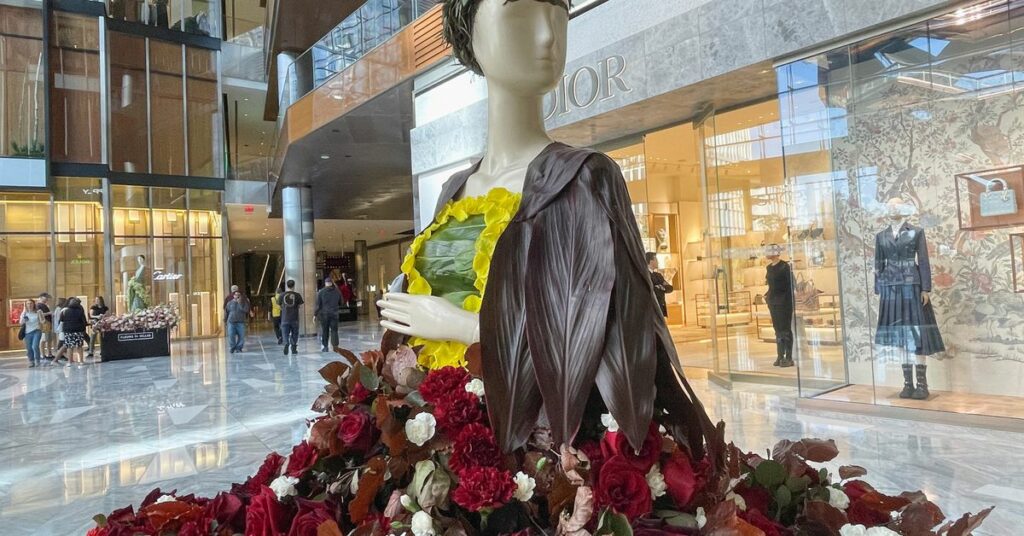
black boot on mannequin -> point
(922, 393)
(780, 353)
(786, 350)
(908, 381)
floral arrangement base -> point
(402, 450)
(118, 345)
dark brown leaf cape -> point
(569, 304)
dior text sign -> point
(587, 85)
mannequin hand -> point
(926, 298)
(428, 317)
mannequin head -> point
(141, 259)
(898, 209)
(773, 252)
(517, 44)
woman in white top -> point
(32, 320)
(58, 328)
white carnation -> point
(475, 386)
(284, 486)
(656, 481)
(422, 524)
(420, 429)
(838, 499)
(701, 517)
(524, 486)
(165, 498)
(881, 531)
(609, 422)
(861, 530)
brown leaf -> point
(825, 514)
(324, 436)
(572, 460)
(562, 493)
(882, 502)
(324, 403)
(723, 521)
(328, 528)
(348, 355)
(333, 372)
(851, 471)
(369, 484)
(392, 432)
(582, 511)
(812, 450)
(918, 518)
(390, 341)
(966, 524)
(473, 362)
(170, 515)
(545, 476)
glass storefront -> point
(913, 139)
(63, 250)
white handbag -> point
(997, 202)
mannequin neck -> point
(515, 136)
(898, 223)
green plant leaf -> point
(100, 519)
(369, 378)
(677, 519)
(823, 475)
(770, 474)
(612, 524)
(783, 497)
(416, 399)
(797, 484)
(446, 260)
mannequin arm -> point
(428, 317)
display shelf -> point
(737, 311)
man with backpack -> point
(290, 301)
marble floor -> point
(75, 442)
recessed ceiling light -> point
(325, 157)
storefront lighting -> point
(325, 157)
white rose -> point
(838, 499)
(420, 429)
(409, 503)
(701, 517)
(524, 486)
(853, 530)
(422, 524)
(165, 498)
(475, 386)
(284, 486)
(609, 422)
(881, 531)
(656, 481)
(738, 499)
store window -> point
(167, 107)
(198, 17)
(25, 257)
(203, 102)
(79, 248)
(128, 109)
(75, 88)
(23, 129)
(916, 137)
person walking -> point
(98, 310)
(275, 313)
(72, 324)
(290, 303)
(237, 315)
(328, 303)
(661, 286)
(58, 328)
(46, 336)
(32, 322)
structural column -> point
(299, 249)
(363, 276)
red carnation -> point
(311, 515)
(455, 412)
(475, 446)
(623, 488)
(485, 487)
(357, 431)
(768, 526)
(267, 473)
(616, 443)
(444, 382)
(265, 516)
(228, 510)
(680, 478)
(302, 458)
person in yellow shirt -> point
(275, 313)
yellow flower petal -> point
(472, 303)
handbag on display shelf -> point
(806, 295)
(997, 202)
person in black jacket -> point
(98, 310)
(779, 277)
(73, 323)
(661, 286)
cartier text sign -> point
(587, 85)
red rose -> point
(484, 487)
(456, 411)
(768, 526)
(303, 457)
(860, 513)
(357, 431)
(475, 446)
(616, 443)
(264, 476)
(856, 489)
(97, 531)
(359, 393)
(311, 515)
(265, 516)
(198, 527)
(756, 498)
(228, 510)
(623, 488)
(680, 478)
(443, 382)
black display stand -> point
(118, 345)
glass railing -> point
(371, 25)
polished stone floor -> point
(75, 442)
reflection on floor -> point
(969, 403)
(749, 354)
(79, 441)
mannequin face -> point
(897, 209)
(520, 44)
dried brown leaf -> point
(473, 360)
(812, 450)
(918, 518)
(572, 460)
(582, 511)
(328, 528)
(334, 372)
(348, 355)
(825, 514)
(392, 432)
(562, 493)
(851, 471)
(966, 524)
(390, 341)
(369, 484)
